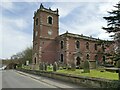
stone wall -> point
(80, 80)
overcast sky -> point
(16, 21)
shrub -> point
(118, 64)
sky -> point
(80, 17)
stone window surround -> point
(88, 56)
(61, 57)
(48, 20)
(35, 58)
(95, 46)
(62, 44)
(87, 45)
(76, 44)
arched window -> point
(35, 61)
(95, 46)
(87, 57)
(50, 20)
(87, 45)
(104, 58)
(103, 47)
(78, 61)
(62, 44)
(77, 44)
(96, 57)
(61, 56)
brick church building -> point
(50, 47)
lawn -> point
(79, 72)
(93, 73)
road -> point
(17, 79)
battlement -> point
(42, 8)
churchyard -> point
(98, 72)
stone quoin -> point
(68, 48)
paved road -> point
(16, 79)
(12, 79)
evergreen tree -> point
(113, 25)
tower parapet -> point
(42, 8)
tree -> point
(22, 57)
(27, 54)
(113, 26)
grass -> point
(93, 73)
(30, 67)
(49, 68)
(79, 72)
(26, 67)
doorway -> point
(78, 61)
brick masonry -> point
(47, 42)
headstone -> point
(68, 67)
(45, 65)
(41, 66)
(73, 67)
(118, 66)
(27, 63)
(55, 66)
(51, 67)
(86, 66)
(58, 65)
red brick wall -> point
(48, 51)
(43, 40)
(50, 44)
(72, 48)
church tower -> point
(45, 30)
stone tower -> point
(45, 30)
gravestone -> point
(45, 65)
(55, 66)
(68, 67)
(86, 66)
(41, 66)
(118, 66)
(73, 67)
(27, 62)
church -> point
(68, 48)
